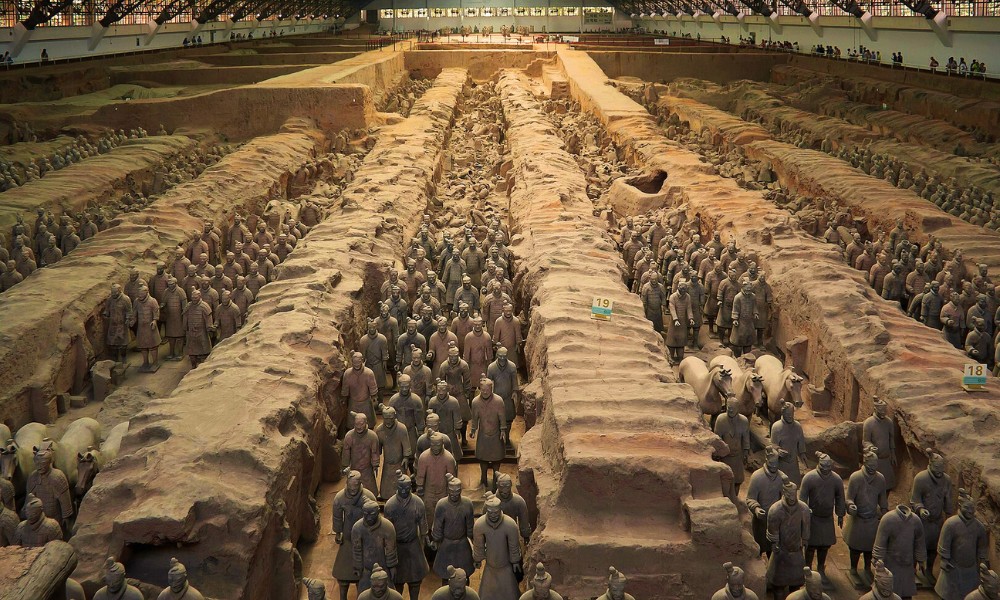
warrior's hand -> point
(759, 513)
(518, 569)
(340, 538)
(892, 458)
(472, 434)
(736, 323)
(840, 521)
(677, 323)
(852, 509)
(925, 514)
(947, 565)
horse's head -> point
(793, 383)
(755, 385)
(8, 459)
(87, 468)
(722, 379)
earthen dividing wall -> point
(819, 174)
(247, 111)
(619, 467)
(51, 326)
(94, 180)
(288, 58)
(965, 111)
(481, 65)
(207, 75)
(220, 474)
(858, 344)
(659, 67)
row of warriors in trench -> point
(793, 515)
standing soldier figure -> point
(408, 515)
(823, 492)
(347, 510)
(495, 541)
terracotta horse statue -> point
(747, 385)
(781, 385)
(711, 385)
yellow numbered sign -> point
(601, 308)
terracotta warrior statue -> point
(50, 485)
(315, 589)
(513, 505)
(449, 412)
(145, 320)
(373, 539)
(117, 312)
(381, 587)
(37, 529)
(763, 491)
(541, 586)
(361, 452)
(408, 516)
(616, 586)
(397, 455)
(735, 588)
(963, 545)
(734, 429)
(931, 498)
(899, 543)
(178, 587)
(198, 327)
(495, 541)
(744, 332)
(347, 510)
(435, 468)
(879, 430)
(455, 586)
(172, 314)
(882, 586)
(786, 433)
(452, 532)
(489, 421)
(116, 588)
(989, 585)
(867, 501)
(681, 321)
(823, 492)
(788, 524)
(813, 588)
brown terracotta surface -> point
(220, 473)
(621, 463)
(35, 572)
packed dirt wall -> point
(627, 482)
(261, 409)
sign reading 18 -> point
(975, 370)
